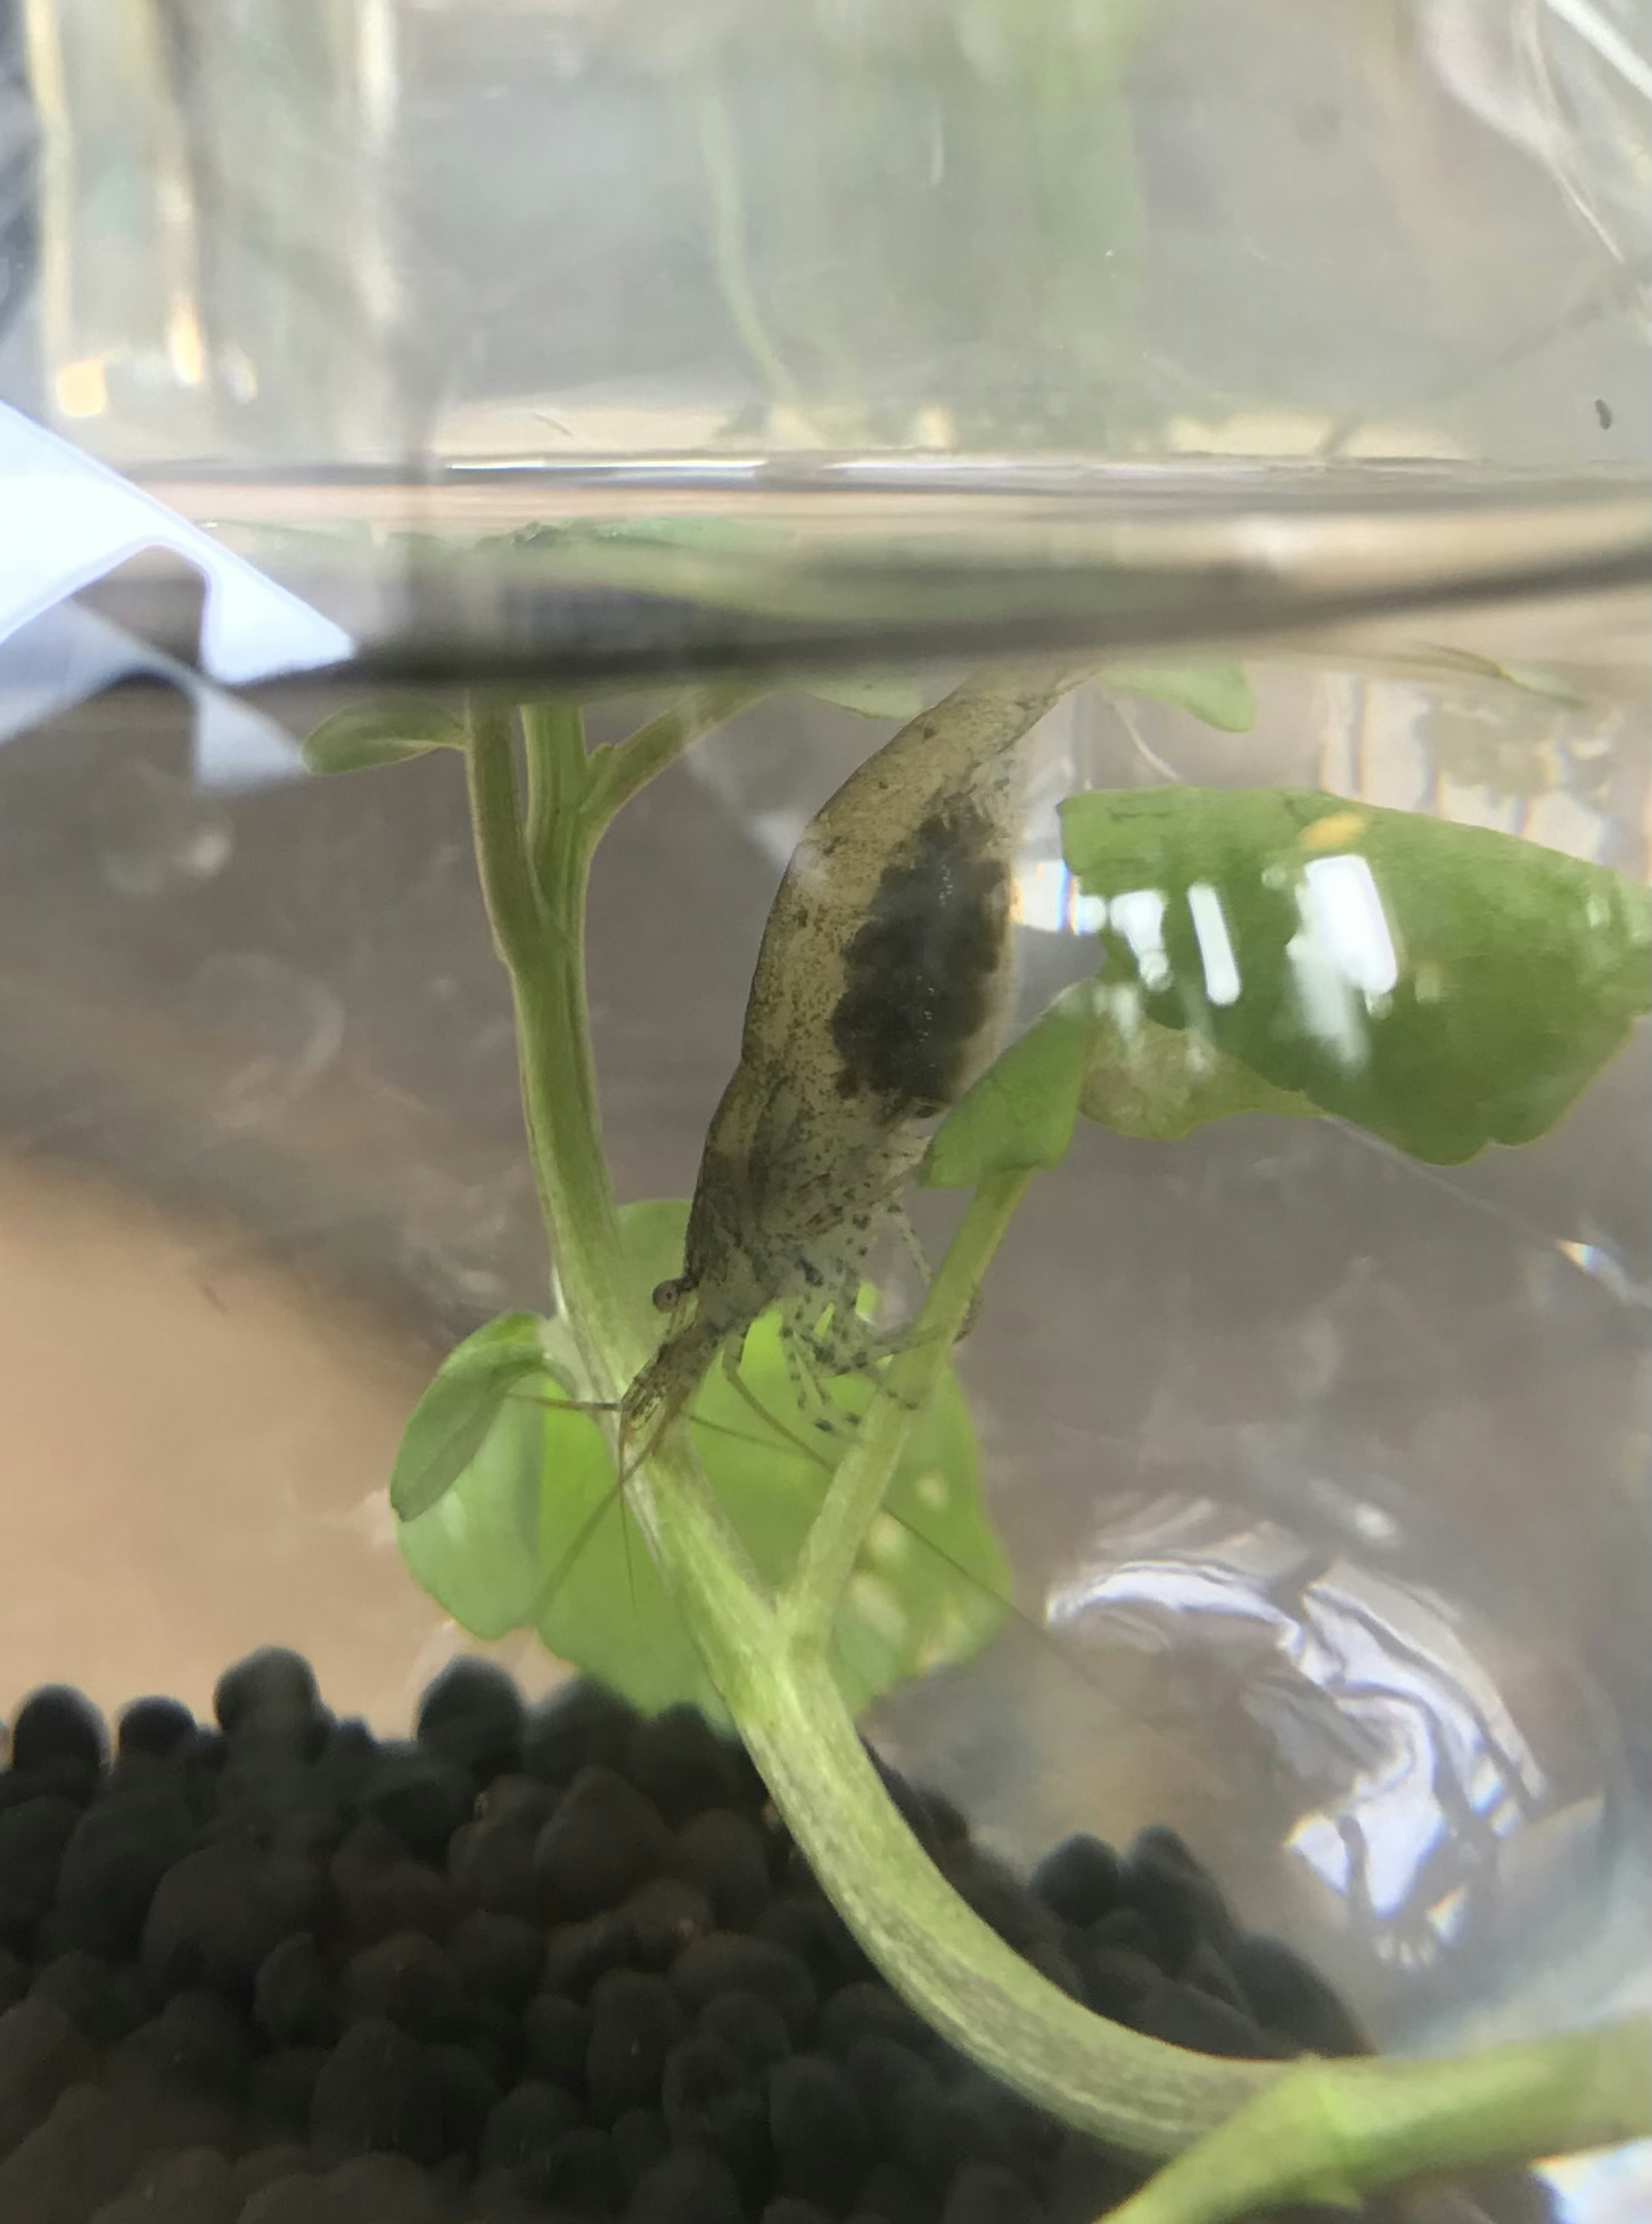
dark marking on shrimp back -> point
(920, 973)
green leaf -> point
(1092, 1051)
(872, 694)
(1517, 974)
(455, 1415)
(1445, 987)
(1220, 694)
(374, 733)
(1161, 1083)
(1020, 1112)
(534, 1531)
(599, 1600)
(476, 1551)
(477, 1548)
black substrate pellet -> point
(472, 1716)
(557, 1963)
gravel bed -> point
(551, 1964)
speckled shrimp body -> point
(878, 994)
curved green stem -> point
(617, 773)
(1334, 2131)
(775, 1681)
(1136, 2093)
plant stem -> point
(1147, 2096)
(538, 921)
(1322, 2129)
(618, 773)
(824, 1565)
(1336, 2130)
(507, 887)
(1138, 2094)
(554, 735)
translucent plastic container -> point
(413, 348)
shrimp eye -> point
(669, 1295)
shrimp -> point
(879, 994)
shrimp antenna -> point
(748, 1396)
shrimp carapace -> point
(879, 994)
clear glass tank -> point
(1316, 338)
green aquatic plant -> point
(1487, 982)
